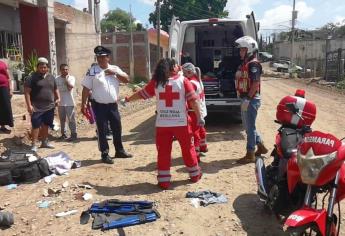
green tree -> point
(188, 10)
(120, 20)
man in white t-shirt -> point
(65, 84)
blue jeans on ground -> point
(248, 120)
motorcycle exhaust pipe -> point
(260, 172)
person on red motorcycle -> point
(248, 89)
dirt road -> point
(135, 179)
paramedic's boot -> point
(195, 179)
(248, 158)
(261, 149)
(164, 185)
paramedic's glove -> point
(201, 122)
(245, 104)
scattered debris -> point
(87, 196)
(43, 204)
(85, 186)
(50, 192)
(11, 186)
(66, 213)
(207, 197)
(79, 196)
(48, 179)
(65, 184)
(195, 202)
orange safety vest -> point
(243, 83)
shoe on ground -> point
(63, 137)
(73, 138)
(195, 179)
(248, 158)
(123, 154)
(46, 144)
(261, 149)
(5, 130)
(34, 148)
(107, 159)
(164, 185)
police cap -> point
(101, 51)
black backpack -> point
(16, 168)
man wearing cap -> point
(41, 97)
(103, 81)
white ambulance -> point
(209, 45)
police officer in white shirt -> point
(103, 81)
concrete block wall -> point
(119, 44)
(80, 39)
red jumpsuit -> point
(200, 136)
(172, 121)
(194, 120)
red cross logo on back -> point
(169, 96)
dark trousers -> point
(108, 113)
(6, 117)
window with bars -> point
(11, 46)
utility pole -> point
(158, 30)
(294, 17)
(131, 51)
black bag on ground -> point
(5, 177)
(16, 168)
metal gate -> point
(335, 61)
(11, 45)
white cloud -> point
(339, 19)
(104, 8)
(280, 16)
(149, 2)
(80, 4)
(240, 8)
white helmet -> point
(249, 43)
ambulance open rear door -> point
(174, 39)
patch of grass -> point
(341, 84)
(138, 79)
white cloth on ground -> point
(59, 163)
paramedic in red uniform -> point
(248, 88)
(173, 91)
(189, 72)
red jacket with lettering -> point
(171, 100)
